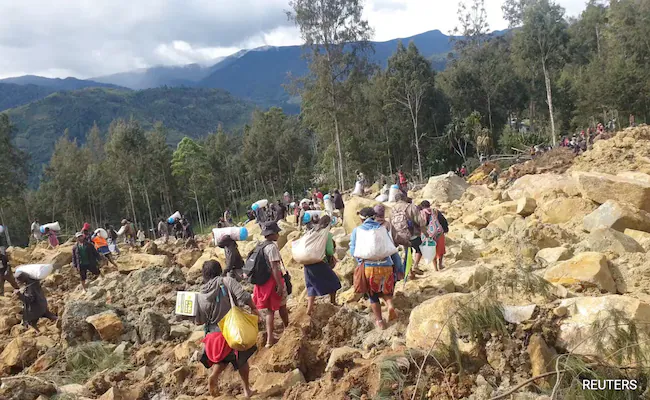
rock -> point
(635, 175)
(253, 229)
(602, 187)
(619, 216)
(107, 324)
(431, 320)
(444, 188)
(285, 231)
(20, 352)
(26, 387)
(352, 207)
(74, 390)
(179, 332)
(610, 240)
(342, 355)
(193, 275)
(542, 356)
(576, 332)
(560, 311)
(518, 314)
(74, 328)
(526, 206)
(113, 394)
(59, 257)
(135, 261)
(493, 212)
(272, 384)
(643, 238)
(45, 342)
(184, 351)
(565, 209)
(45, 362)
(475, 220)
(502, 224)
(187, 258)
(585, 268)
(550, 256)
(345, 270)
(142, 374)
(18, 255)
(534, 186)
(474, 191)
(7, 322)
(152, 327)
(180, 374)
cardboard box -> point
(186, 303)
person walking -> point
(101, 245)
(112, 239)
(405, 218)
(433, 230)
(338, 203)
(380, 275)
(320, 279)
(213, 305)
(271, 295)
(163, 230)
(84, 258)
(380, 213)
(141, 237)
(34, 301)
(279, 211)
(234, 260)
(36, 230)
(52, 240)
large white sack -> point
(381, 198)
(262, 203)
(35, 271)
(310, 249)
(392, 193)
(54, 226)
(101, 232)
(236, 233)
(374, 244)
(358, 189)
(121, 231)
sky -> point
(88, 38)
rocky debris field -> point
(546, 282)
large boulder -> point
(643, 238)
(565, 209)
(429, 322)
(602, 187)
(457, 278)
(493, 212)
(444, 188)
(18, 255)
(253, 229)
(352, 207)
(285, 231)
(26, 387)
(635, 175)
(152, 327)
(475, 220)
(526, 206)
(611, 240)
(193, 275)
(135, 261)
(20, 352)
(535, 186)
(552, 255)
(272, 384)
(187, 258)
(590, 268)
(619, 216)
(74, 328)
(578, 332)
(59, 257)
(108, 324)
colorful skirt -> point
(381, 280)
(321, 280)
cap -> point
(78, 235)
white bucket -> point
(54, 226)
(394, 190)
(175, 216)
(236, 233)
(101, 232)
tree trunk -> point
(146, 197)
(337, 137)
(489, 105)
(198, 211)
(414, 117)
(549, 97)
(135, 219)
(2, 219)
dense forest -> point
(548, 77)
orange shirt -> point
(99, 242)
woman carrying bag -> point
(216, 299)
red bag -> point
(360, 282)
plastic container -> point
(261, 203)
(236, 233)
(175, 216)
(101, 232)
(35, 271)
(394, 190)
(2, 229)
(428, 249)
(54, 226)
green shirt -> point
(83, 254)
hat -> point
(270, 228)
(78, 235)
(86, 227)
(366, 213)
(124, 221)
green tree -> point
(13, 170)
(190, 166)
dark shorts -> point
(84, 269)
(235, 358)
(415, 244)
(104, 250)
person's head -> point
(425, 205)
(36, 220)
(380, 211)
(399, 196)
(324, 221)
(124, 222)
(271, 231)
(336, 191)
(79, 237)
(307, 205)
(367, 213)
(107, 226)
(210, 270)
(22, 279)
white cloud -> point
(86, 38)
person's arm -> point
(353, 241)
(443, 221)
(75, 257)
(242, 296)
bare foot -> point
(381, 324)
(248, 393)
(392, 314)
(213, 388)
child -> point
(34, 301)
(51, 238)
(84, 258)
(141, 237)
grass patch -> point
(84, 361)
(392, 378)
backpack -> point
(400, 222)
(434, 228)
(256, 268)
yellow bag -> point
(238, 327)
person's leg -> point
(213, 381)
(2, 283)
(284, 315)
(244, 372)
(83, 273)
(375, 306)
(269, 317)
(333, 298)
(310, 304)
(110, 259)
(392, 314)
